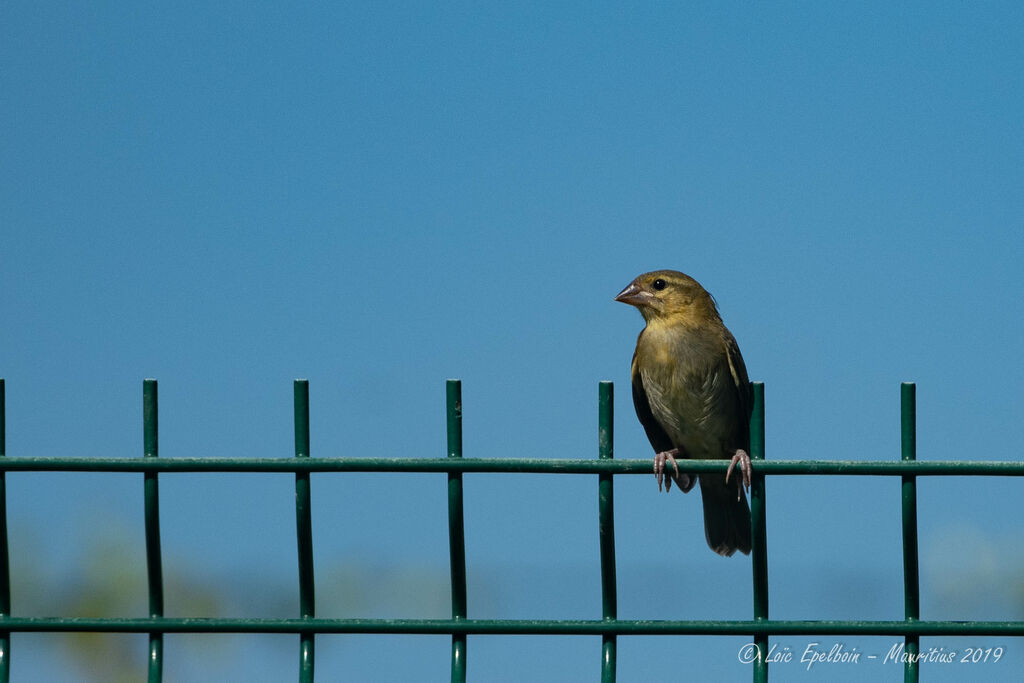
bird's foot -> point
(659, 467)
(743, 460)
(684, 481)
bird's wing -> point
(655, 432)
(742, 382)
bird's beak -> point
(634, 295)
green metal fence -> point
(307, 625)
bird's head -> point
(669, 296)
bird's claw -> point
(659, 468)
(743, 460)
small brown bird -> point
(693, 398)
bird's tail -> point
(726, 517)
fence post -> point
(606, 525)
(911, 592)
(154, 563)
(304, 532)
(456, 527)
(758, 533)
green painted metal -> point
(154, 563)
(961, 468)
(304, 532)
(609, 627)
(456, 528)
(606, 526)
(585, 627)
(758, 530)
(911, 589)
(5, 567)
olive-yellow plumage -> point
(692, 396)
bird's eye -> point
(659, 284)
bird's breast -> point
(690, 391)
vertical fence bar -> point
(758, 531)
(304, 533)
(606, 525)
(456, 527)
(5, 567)
(154, 563)
(911, 592)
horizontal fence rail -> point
(517, 627)
(307, 625)
(979, 468)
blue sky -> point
(381, 196)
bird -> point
(693, 398)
